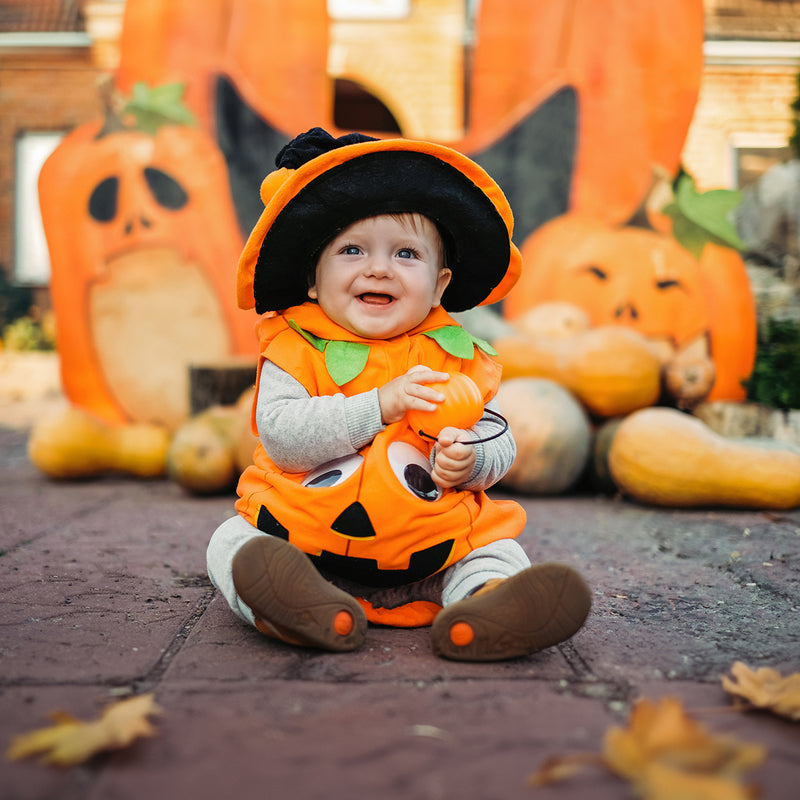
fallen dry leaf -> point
(558, 768)
(666, 755)
(662, 733)
(70, 741)
(765, 688)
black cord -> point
(503, 422)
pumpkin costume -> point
(369, 517)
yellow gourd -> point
(668, 458)
(73, 443)
(611, 370)
(201, 458)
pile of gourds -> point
(579, 400)
(604, 401)
(204, 455)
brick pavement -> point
(103, 593)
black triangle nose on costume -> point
(354, 521)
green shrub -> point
(775, 380)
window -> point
(753, 154)
(369, 9)
(31, 260)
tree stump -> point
(219, 382)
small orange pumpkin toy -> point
(143, 242)
(461, 408)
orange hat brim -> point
(307, 206)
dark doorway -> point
(355, 109)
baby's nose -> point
(379, 265)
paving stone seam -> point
(575, 660)
(154, 675)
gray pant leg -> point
(500, 559)
(227, 539)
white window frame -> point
(748, 141)
(31, 259)
(368, 9)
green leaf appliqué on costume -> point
(345, 360)
(458, 342)
(309, 337)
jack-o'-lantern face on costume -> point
(355, 506)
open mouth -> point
(375, 299)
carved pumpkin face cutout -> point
(143, 243)
(619, 276)
(645, 280)
(377, 517)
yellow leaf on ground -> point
(765, 688)
(666, 754)
(559, 768)
(70, 741)
(663, 733)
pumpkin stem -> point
(113, 119)
(155, 106)
(658, 195)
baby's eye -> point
(351, 250)
(407, 252)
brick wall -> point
(54, 92)
(738, 106)
(413, 65)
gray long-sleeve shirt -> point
(300, 432)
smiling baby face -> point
(381, 276)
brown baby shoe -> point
(291, 601)
(537, 608)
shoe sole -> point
(528, 612)
(292, 601)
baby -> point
(349, 513)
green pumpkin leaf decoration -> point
(157, 106)
(456, 341)
(702, 217)
(345, 360)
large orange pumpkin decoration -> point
(644, 279)
(284, 81)
(636, 70)
(144, 243)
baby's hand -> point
(454, 460)
(409, 391)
